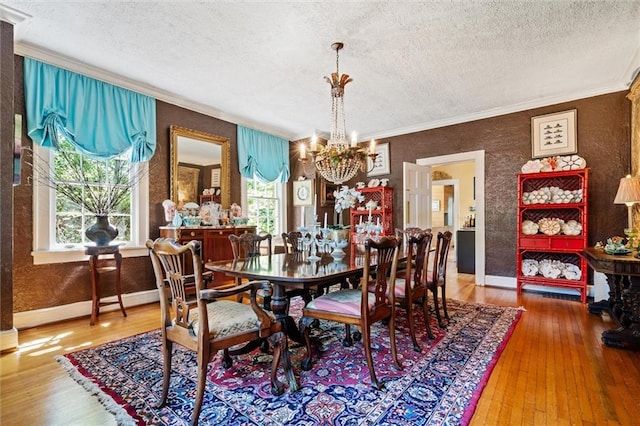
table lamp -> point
(629, 194)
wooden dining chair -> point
(292, 242)
(246, 246)
(404, 234)
(411, 287)
(361, 307)
(250, 244)
(212, 322)
(437, 278)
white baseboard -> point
(8, 339)
(498, 281)
(28, 319)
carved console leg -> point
(628, 335)
(626, 311)
(616, 309)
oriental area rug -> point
(441, 385)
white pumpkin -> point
(529, 228)
(572, 227)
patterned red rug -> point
(441, 385)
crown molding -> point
(509, 109)
(11, 15)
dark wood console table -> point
(623, 305)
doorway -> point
(445, 205)
(477, 158)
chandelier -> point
(339, 160)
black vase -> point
(101, 232)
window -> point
(59, 224)
(265, 206)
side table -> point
(97, 267)
(623, 305)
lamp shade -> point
(628, 191)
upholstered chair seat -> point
(227, 318)
(347, 302)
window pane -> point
(123, 225)
(63, 203)
(69, 229)
(263, 206)
(93, 180)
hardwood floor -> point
(554, 371)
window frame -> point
(281, 194)
(44, 218)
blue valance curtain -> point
(262, 155)
(101, 120)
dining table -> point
(293, 271)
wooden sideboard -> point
(214, 241)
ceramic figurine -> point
(169, 210)
(236, 210)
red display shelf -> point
(559, 247)
(383, 195)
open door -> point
(417, 195)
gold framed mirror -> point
(200, 163)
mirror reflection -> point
(200, 169)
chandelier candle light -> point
(340, 159)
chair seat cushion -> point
(400, 287)
(342, 302)
(227, 318)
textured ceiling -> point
(415, 65)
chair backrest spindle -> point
(248, 245)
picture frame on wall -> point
(381, 165)
(554, 134)
(326, 193)
(303, 192)
(215, 178)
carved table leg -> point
(280, 308)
